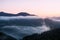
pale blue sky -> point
(41, 8)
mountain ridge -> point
(18, 14)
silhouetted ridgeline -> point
(49, 35)
(18, 14)
(17, 20)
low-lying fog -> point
(21, 31)
(18, 17)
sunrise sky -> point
(42, 8)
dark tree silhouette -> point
(4, 36)
(49, 35)
(32, 37)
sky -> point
(42, 8)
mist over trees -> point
(7, 19)
(52, 24)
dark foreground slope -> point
(49, 35)
(4, 36)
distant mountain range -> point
(18, 14)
